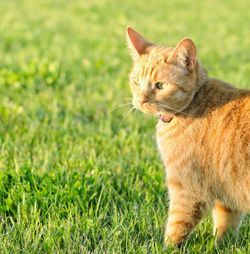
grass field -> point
(71, 179)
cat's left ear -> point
(137, 44)
(184, 54)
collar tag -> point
(165, 118)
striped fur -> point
(205, 148)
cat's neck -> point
(210, 95)
(201, 76)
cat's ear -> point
(137, 44)
(184, 54)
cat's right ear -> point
(137, 44)
(184, 54)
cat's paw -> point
(225, 234)
(173, 241)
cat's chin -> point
(148, 112)
(150, 109)
(147, 109)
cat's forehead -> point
(157, 56)
(153, 65)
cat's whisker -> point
(125, 104)
(155, 115)
(122, 99)
(122, 105)
(133, 115)
(123, 119)
(177, 111)
(167, 107)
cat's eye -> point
(160, 85)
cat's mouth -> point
(148, 108)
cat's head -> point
(162, 79)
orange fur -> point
(205, 148)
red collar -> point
(165, 118)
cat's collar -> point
(165, 118)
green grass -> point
(70, 181)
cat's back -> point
(229, 121)
(230, 150)
(235, 126)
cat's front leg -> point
(185, 211)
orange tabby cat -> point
(203, 135)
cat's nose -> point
(143, 100)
